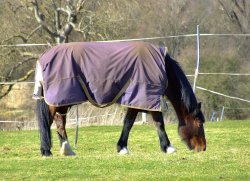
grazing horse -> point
(134, 74)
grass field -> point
(227, 156)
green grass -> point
(227, 156)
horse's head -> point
(192, 132)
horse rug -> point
(128, 73)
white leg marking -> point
(124, 151)
(170, 149)
(66, 149)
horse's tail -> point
(44, 126)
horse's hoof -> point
(170, 149)
(46, 153)
(66, 149)
(124, 151)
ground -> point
(227, 156)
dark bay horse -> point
(177, 89)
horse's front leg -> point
(127, 125)
(60, 120)
(165, 144)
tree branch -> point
(80, 4)
(7, 53)
(232, 15)
(241, 10)
(224, 8)
(25, 77)
(237, 20)
(41, 19)
(24, 39)
(33, 32)
(16, 66)
(7, 91)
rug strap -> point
(91, 100)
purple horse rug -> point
(128, 73)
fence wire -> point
(112, 116)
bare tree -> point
(65, 19)
(238, 11)
(19, 57)
(14, 62)
(54, 22)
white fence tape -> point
(11, 122)
(189, 75)
(27, 45)
(240, 108)
(240, 74)
(10, 83)
(150, 38)
(214, 92)
(136, 39)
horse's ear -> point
(197, 109)
(199, 105)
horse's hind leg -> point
(60, 120)
(44, 122)
(166, 147)
(127, 125)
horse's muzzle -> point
(198, 144)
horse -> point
(167, 79)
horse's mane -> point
(187, 94)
